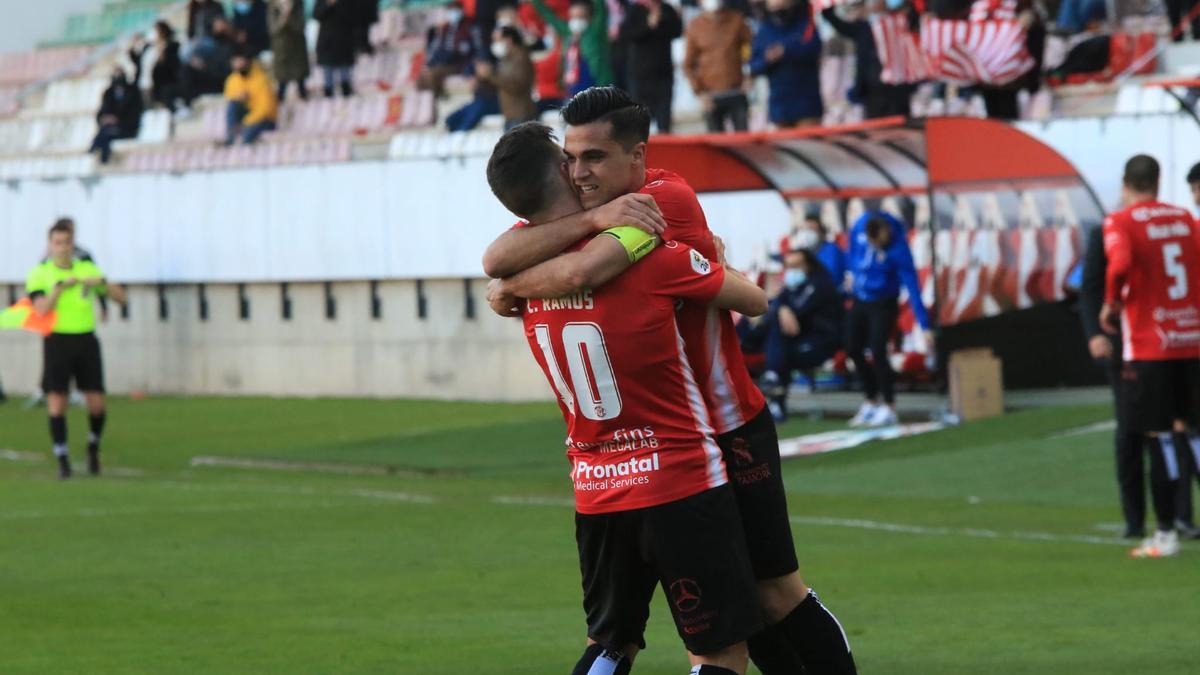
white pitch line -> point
(280, 465)
(900, 528)
(379, 495)
(509, 500)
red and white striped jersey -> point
(976, 52)
(1153, 252)
(1004, 10)
(638, 428)
(900, 55)
(712, 342)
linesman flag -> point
(22, 316)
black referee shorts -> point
(694, 548)
(752, 461)
(70, 356)
(1156, 393)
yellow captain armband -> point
(637, 242)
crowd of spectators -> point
(524, 57)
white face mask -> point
(710, 5)
(499, 49)
(577, 26)
(806, 239)
(453, 15)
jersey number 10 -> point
(1179, 284)
(595, 394)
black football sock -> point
(710, 670)
(818, 638)
(95, 431)
(772, 654)
(58, 434)
(597, 660)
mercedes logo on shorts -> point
(685, 593)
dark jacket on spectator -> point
(650, 46)
(215, 53)
(201, 14)
(817, 303)
(867, 69)
(795, 78)
(451, 44)
(252, 23)
(123, 100)
(335, 40)
(165, 71)
(1091, 290)
(288, 43)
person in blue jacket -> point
(803, 325)
(880, 263)
(812, 235)
(787, 49)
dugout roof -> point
(874, 159)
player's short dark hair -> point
(877, 225)
(521, 170)
(1141, 173)
(512, 34)
(630, 120)
(62, 225)
(1194, 173)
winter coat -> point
(650, 47)
(335, 40)
(253, 23)
(201, 14)
(716, 44)
(288, 42)
(123, 101)
(513, 78)
(795, 78)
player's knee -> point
(732, 659)
(780, 595)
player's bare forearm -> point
(118, 294)
(522, 248)
(591, 267)
(741, 295)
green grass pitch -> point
(981, 549)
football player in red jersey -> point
(1152, 286)
(606, 146)
(652, 499)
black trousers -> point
(886, 100)
(870, 324)
(656, 96)
(1130, 462)
(728, 109)
(1176, 10)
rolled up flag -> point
(22, 316)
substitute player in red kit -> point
(606, 144)
(1153, 286)
(652, 500)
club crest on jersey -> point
(700, 263)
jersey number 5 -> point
(595, 394)
(1175, 269)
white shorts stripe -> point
(726, 406)
(716, 467)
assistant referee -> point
(68, 286)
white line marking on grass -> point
(17, 456)
(380, 495)
(1108, 425)
(279, 465)
(900, 528)
(508, 500)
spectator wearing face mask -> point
(717, 41)
(803, 326)
(120, 114)
(250, 23)
(449, 48)
(335, 44)
(787, 50)
(252, 107)
(811, 235)
(201, 16)
(649, 28)
(586, 58)
(512, 76)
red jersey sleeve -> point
(681, 209)
(1119, 256)
(679, 271)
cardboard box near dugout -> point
(976, 384)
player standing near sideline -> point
(606, 145)
(68, 286)
(1152, 286)
(653, 504)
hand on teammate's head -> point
(637, 210)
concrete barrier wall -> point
(446, 355)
